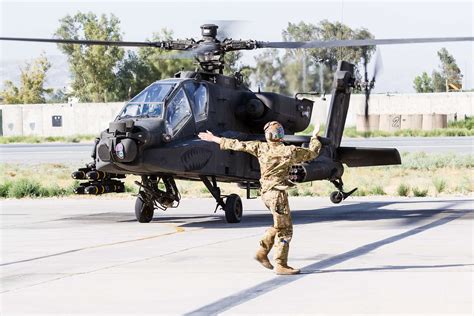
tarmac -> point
(364, 256)
(80, 153)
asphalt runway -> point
(365, 256)
(80, 153)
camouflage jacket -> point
(275, 158)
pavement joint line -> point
(131, 262)
(177, 230)
(255, 291)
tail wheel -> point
(143, 210)
(336, 197)
(233, 209)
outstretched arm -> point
(303, 154)
(231, 144)
(209, 137)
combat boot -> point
(281, 258)
(281, 269)
(262, 257)
(266, 245)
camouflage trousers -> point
(282, 231)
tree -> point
(31, 89)
(423, 84)
(93, 67)
(58, 96)
(268, 74)
(449, 69)
(133, 76)
(231, 60)
(439, 82)
(299, 69)
(163, 64)
(449, 73)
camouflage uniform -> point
(275, 161)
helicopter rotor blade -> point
(378, 66)
(84, 42)
(359, 43)
(259, 44)
(366, 85)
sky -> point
(264, 20)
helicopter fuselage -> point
(165, 141)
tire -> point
(336, 197)
(143, 211)
(233, 209)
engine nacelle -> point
(294, 114)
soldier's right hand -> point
(208, 136)
(317, 127)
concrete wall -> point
(460, 103)
(74, 119)
(91, 118)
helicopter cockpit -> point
(175, 101)
(149, 102)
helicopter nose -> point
(125, 150)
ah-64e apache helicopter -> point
(155, 134)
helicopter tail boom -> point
(343, 82)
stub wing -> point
(365, 157)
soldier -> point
(275, 161)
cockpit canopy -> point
(176, 101)
(149, 102)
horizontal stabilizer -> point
(365, 157)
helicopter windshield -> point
(149, 103)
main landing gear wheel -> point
(143, 211)
(233, 209)
(336, 197)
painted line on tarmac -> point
(244, 296)
(177, 230)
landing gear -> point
(338, 196)
(151, 197)
(233, 209)
(233, 205)
(143, 210)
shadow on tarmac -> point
(364, 211)
(387, 268)
(243, 296)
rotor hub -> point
(209, 31)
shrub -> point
(420, 192)
(4, 188)
(377, 190)
(440, 185)
(403, 189)
(131, 188)
(25, 188)
(467, 123)
(360, 192)
(293, 192)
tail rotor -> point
(368, 85)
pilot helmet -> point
(274, 131)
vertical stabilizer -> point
(341, 93)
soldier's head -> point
(274, 131)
